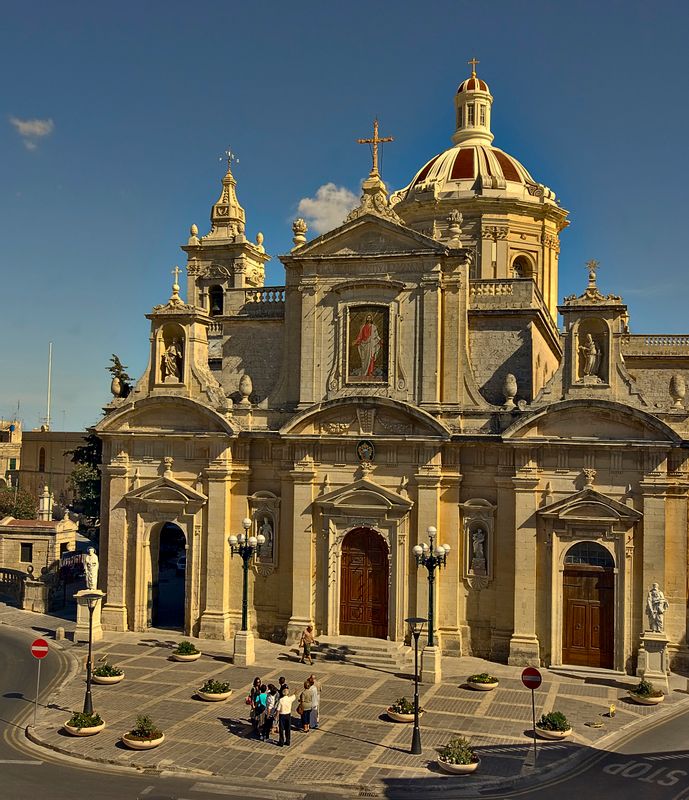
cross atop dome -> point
(473, 103)
(473, 61)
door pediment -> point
(364, 497)
(166, 493)
(590, 506)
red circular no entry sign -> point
(39, 648)
(531, 678)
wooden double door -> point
(364, 585)
(589, 616)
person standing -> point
(271, 712)
(307, 641)
(315, 690)
(260, 704)
(304, 707)
(285, 704)
(251, 700)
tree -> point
(85, 478)
(17, 503)
(119, 373)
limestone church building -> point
(410, 373)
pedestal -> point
(524, 651)
(431, 665)
(654, 659)
(243, 649)
(81, 632)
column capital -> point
(524, 483)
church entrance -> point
(166, 591)
(589, 607)
(364, 585)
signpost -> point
(531, 678)
(39, 650)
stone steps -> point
(373, 653)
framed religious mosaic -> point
(368, 340)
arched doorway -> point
(364, 585)
(168, 577)
(588, 587)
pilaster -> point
(302, 493)
(114, 612)
(430, 341)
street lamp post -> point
(416, 626)
(432, 557)
(91, 602)
(245, 546)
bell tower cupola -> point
(473, 103)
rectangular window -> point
(459, 117)
(13, 463)
(482, 115)
(470, 114)
(27, 552)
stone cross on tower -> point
(375, 141)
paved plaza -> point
(356, 748)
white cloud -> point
(32, 130)
(328, 208)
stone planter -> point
(544, 733)
(483, 687)
(397, 717)
(107, 680)
(213, 697)
(643, 700)
(458, 769)
(181, 657)
(141, 744)
(83, 731)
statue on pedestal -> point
(91, 568)
(656, 606)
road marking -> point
(146, 790)
(264, 794)
(19, 761)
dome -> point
(473, 84)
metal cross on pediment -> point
(375, 141)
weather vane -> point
(230, 157)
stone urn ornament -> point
(116, 387)
(246, 386)
(509, 389)
(678, 389)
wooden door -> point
(364, 585)
(589, 622)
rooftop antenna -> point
(50, 376)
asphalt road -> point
(652, 766)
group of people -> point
(271, 708)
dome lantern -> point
(473, 103)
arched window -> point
(521, 266)
(215, 296)
(41, 460)
(589, 554)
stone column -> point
(309, 343)
(302, 491)
(504, 555)
(430, 340)
(115, 548)
(524, 649)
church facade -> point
(409, 374)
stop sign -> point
(531, 678)
(39, 648)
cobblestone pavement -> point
(356, 744)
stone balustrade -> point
(655, 345)
(267, 294)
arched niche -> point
(216, 300)
(41, 460)
(171, 350)
(523, 266)
(592, 351)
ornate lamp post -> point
(416, 626)
(245, 546)
(431, 556)
(91, 599)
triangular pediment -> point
(364, 495)
(370, 235)
(165, 490)
(588, 505)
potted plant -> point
(402, 710)
(106, 674)
(482, 682)
(214, 691)
(186, 651)
(458, 757)
(646, 694)
(145, 736)
(84, 724)
(553, 726)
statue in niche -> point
(171, 362)
(590, 357)
(656, 606)
(478, 551)
(90, 562)
(266, 529)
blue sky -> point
(136, 101)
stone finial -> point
(299, 228)
(259, 242)
(193, 234)
(246, 386)
(45, 505)
(454, 219)
(167, 466)
(589, 476)
(678, 389)
(509, 390)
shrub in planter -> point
(646, 694)
(402, 710)
(186, 651)
(84, 724)
(483, 681)
(214, 690)
(553, 725)
(458, 756)
(106, 673)
(144, 735)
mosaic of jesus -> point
(368, 344)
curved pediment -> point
(365, 416)
(591, 420)
(165, 414)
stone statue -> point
(478, 551)
(590, 356)
(171, 364)
(656, 606)
(267, 548)
(90, 562)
